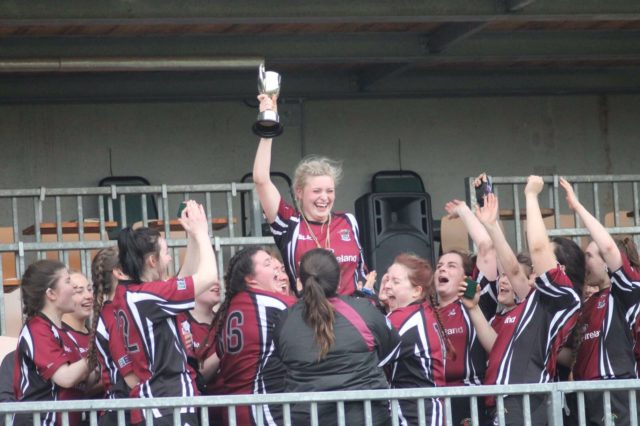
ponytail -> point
(450, 350)
(320, 275)
(37, 279)
(630, 250)
(239, 268)
(319, 314)
(102, 276)
(134, 247)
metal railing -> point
(553, 392)
(613, 199)
(39, 222)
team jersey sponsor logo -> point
(592, 335)
(67, 348)
(305, 237)
(343, 258)
(123, 361)
(345, 235)
(456, 330)
(510, 320)
(181, 283)
(452, 312)
(601, 304)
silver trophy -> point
(268, 124)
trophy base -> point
(267, 129)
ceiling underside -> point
(152, 50)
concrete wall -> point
(443, 139)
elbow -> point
(485, 247)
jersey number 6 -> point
(234, 332)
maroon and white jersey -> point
(42, 349)
(112, 354)
(468, 367)
(606, 326)
(202, 335)
(246, 349)
(81, 341)
(294, 238)
(145, 314)
(636, 347)
(420, 362)
(531, 334)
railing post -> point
(554, 408)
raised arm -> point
(191, 256)
(195, 222)
(606, 245)
(488, 216)
(267, 191)
(486, 334)
(540, 248)
(486, 261)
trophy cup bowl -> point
(268, 124)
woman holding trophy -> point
(313, 224)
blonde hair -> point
(316, 166)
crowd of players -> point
(306, 317)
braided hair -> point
(320, 275)
(420, 274)
(239, 268)
(37, 279)
(629, 249)
(105, 261)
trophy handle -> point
(261, 72)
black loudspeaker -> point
(393, 223)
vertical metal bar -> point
(616, 204)
(633, 407)
(83, 252)
(16, 233)
(500, 410)
(257, 213)
(103, 229)
(230, 224)
(121, 418)
(204, 416)
(207, 207)
(422, 416)
(516, 218)
(576, 218)
(556, 201)
(554, 416)
(3, 319)
(608, 418)
(636, 211)
(59, 226)
(231, 410)
(368, 417)
(145, 214)
(36, 418)
(110, 204)
(596, 202)
(341, 419)
(65, 418)
(260, 415)
(475, 420)
(176, 417)
(93, 418)
(165, 208)
(37, 210)
(123, 211)
(314, 414)
(149, 417)
(394, 412)
(286, 412)
(447, 411)
(526, 409)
